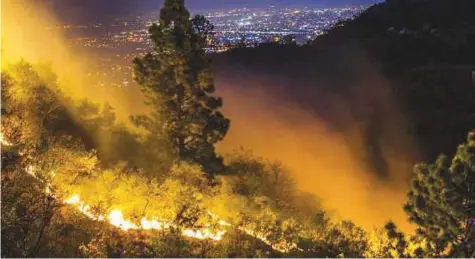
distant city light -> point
(128, 38)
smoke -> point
(31, 33)
(349, 149)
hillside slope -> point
(417, 53)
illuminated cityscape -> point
(117, 43)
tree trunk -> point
(46, 220)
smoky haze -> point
(347, 145)
(25, 36)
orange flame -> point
(116, 218)
(83, 208)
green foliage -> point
(258, 198)
(441, 202)
(176, 79)
(43, 165)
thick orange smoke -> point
(31, 33)
(325, 161)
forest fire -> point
(83, 208)
(116, 218)
(315, 148)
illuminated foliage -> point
(330, 239)
(26, 212)
(388, 242)
(33, 152)
(29, 105)
(177, 200)
(114, 243)
(442, 202)
(261, 199)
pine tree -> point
(442, 202)
(177, 81)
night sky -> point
(96, 10)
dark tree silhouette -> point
(177, 81)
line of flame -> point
(116, 218)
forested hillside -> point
(395, 85)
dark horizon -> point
(84, 11)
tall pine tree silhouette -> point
(177, 81)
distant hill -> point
(412, 32)
(418, 53)
(425, 47)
